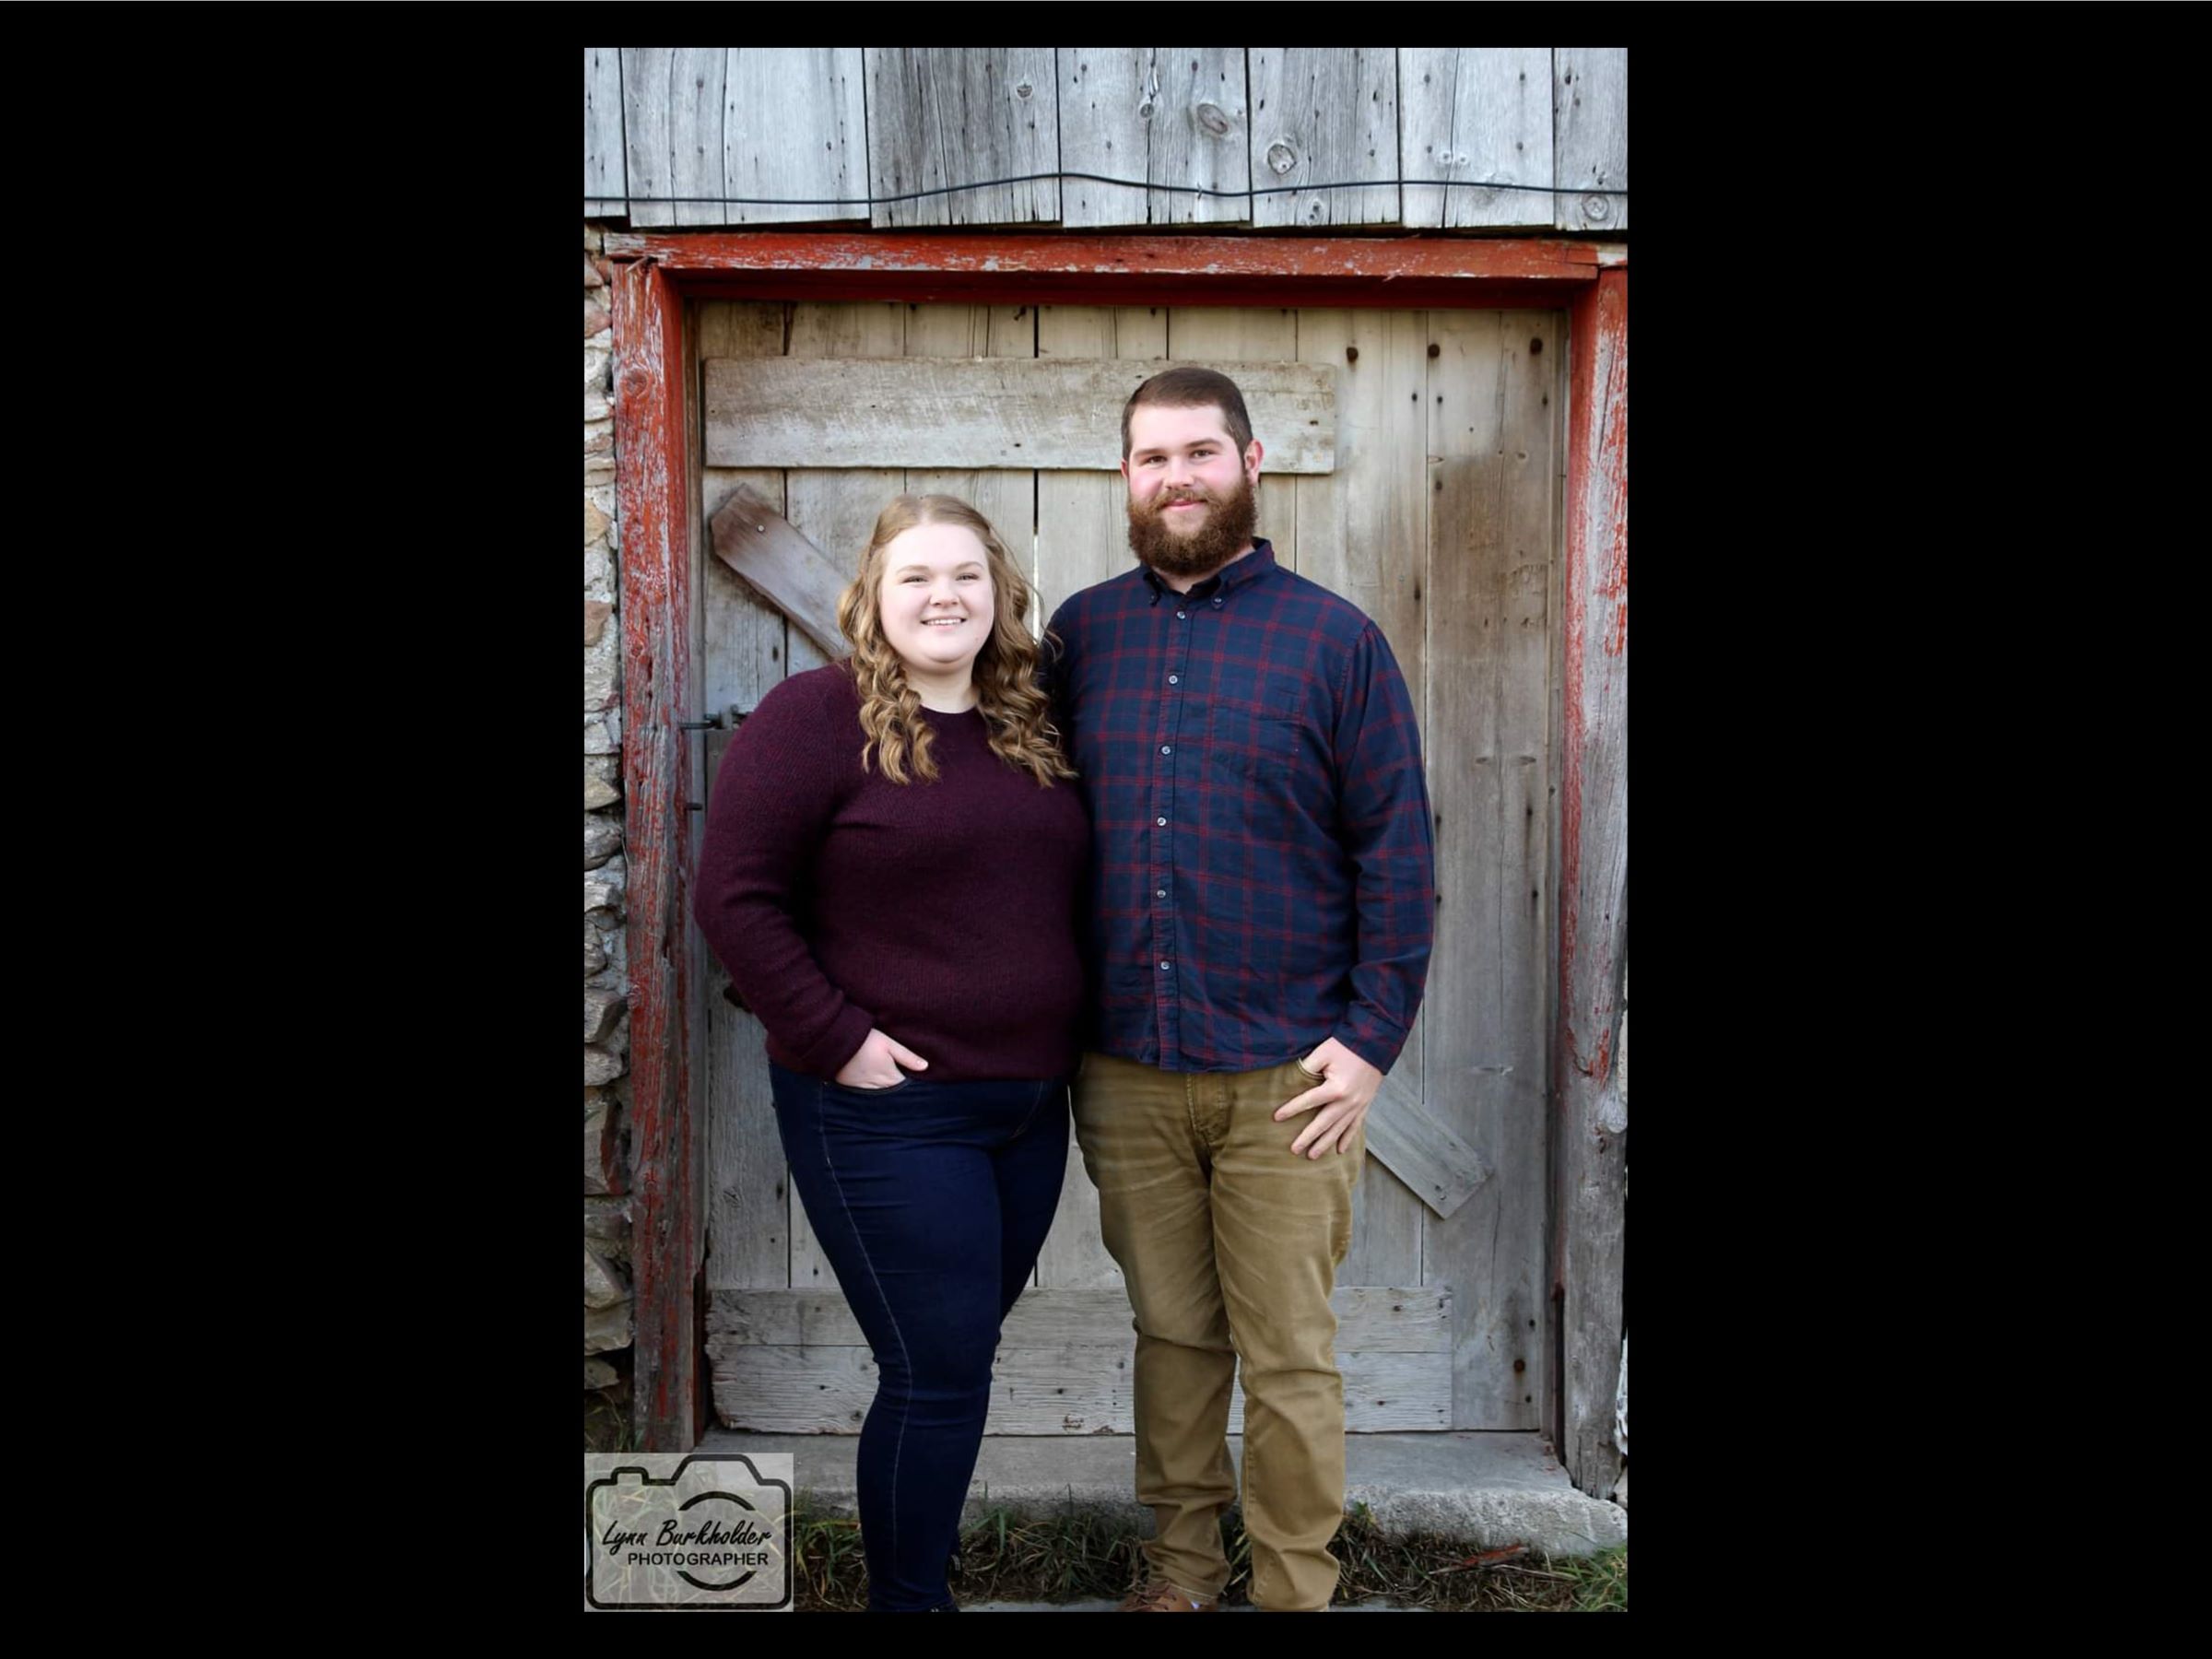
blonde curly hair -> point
(1015, 712)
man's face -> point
(1192, 506)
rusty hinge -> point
(712, 723)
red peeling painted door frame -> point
(655, 274)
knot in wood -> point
(1281, 157)
(1024, 89)
(1211, 119)
(1597, 209)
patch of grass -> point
(1086, 1556)
(607, 1423)
(1602, 1584)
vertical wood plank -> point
(1590, 121)
(957, 115)
(695, 693)
(747, 1206)
(1472, 114)
(1322, 115)
(838, 509)
(1082, 539)
(744, 633)
(666, 1147)
(1551, 1399)
(647, 118)
(742, 657)
(1592, 1197)
(1212, 334)
(695, 137)
(603, 173)
(1525, 874)
(1073, 1257)
(697, 959)
(1362, 533)
(1165, 114)
(1007, 496)
(672, 117)
(1082, 523)
(795, 125)
(840, 505)
(1490, 566)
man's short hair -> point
(1191, 387)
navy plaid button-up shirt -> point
(1262, 870)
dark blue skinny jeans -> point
(931, 1200)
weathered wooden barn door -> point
(1424, 486)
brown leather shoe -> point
(1160, 1596)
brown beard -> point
(1228, 527)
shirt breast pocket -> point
(1253, 741)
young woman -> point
(893, 869)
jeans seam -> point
(1034, 1105)
(861, 1245)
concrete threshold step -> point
(1488, 1490)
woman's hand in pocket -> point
(875, 1065)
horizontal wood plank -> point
(1370, 1318)
(778, 1390)
(1026, 413)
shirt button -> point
(1182, 616)
(1162, 822)
(1216, 604)
(1174, 679)
(1159, 892)
(1167, 749)
(1163, 967)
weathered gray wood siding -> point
(1493, 137)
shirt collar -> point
(1248, 569)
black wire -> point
(915, 195)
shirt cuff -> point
(1375, 1042)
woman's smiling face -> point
(937, 601)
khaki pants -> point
(1229, 1244)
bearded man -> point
(1260, 913)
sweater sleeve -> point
(773, 803)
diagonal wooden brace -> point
(791, 573)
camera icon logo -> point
(671, 1529)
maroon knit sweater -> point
(943, 914)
